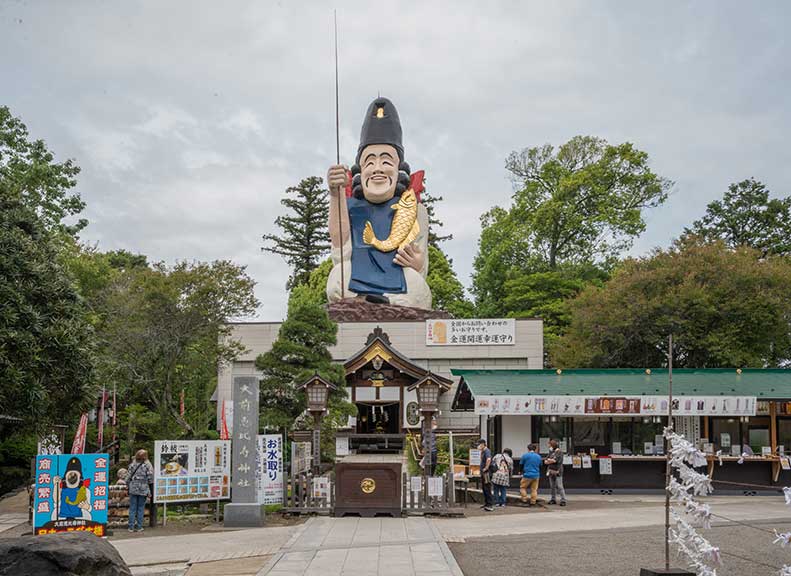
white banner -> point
(269, 462)
(620, 405)
(471, 332)
(187, 470)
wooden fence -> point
(299, 496)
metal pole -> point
(668, 470)
(452, 495)
(338, 155)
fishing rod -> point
(338, 156)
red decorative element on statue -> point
(349, 185)
(416, 183)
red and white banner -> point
(79, 438)
(100, 433)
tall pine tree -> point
(304, 239)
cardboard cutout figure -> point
(73, 493)
(383, 226)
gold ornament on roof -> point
(368, 485)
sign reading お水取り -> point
(269, 458)
(70, 493)
(471, 332)
(187, 470)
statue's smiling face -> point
(379, 172)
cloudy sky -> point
(189, 119)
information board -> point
(269, 460)
(471, 332)
(71, 493)
(190, 470)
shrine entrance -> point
(378, 418)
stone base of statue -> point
(360, 310)
(243, 515)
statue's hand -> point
(410, 256)
(337, 178)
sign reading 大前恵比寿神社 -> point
(244, 510)
(471, 332)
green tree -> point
(434, 223)
(446, 291)
(46, 342)
(725, 307)
(548, 295)
(301, 350)
(304, 237)
(315, 289)
(165, 329)
(31, 176)
(746, 216)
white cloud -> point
(189, 119)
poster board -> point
(436, 485)
(300, 457)
(321, 487)
(341, 446)
(616, 448)
(459, 471)
(587, 462)
(191, 470)
(543, 445)
(269, 464)
(471, 332)
(70, 493)
(415, 483)
(605, 466)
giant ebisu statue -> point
(382, 227)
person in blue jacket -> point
(531, 471)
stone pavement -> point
(362, 547)
(12, 520)
(206, 546)
(606, 514)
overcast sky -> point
(189, 119)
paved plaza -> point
(365, 546)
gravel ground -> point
(622, 552)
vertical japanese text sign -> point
(245, 430)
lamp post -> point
(428, 390)
(317, 390)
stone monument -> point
(244, 511)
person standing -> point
(138, 478)
(554, 464)
(486, 478)
(531, 470)
(501, 479)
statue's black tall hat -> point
(381, 126)
(74, 464)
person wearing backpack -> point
(138, 477)
(501, 478)
(531, 470)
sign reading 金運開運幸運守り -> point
(471, 332)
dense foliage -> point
(746, 216)
(725, 307)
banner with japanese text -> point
(615, 405)
(269, 460)
(188, 470)
(70, 493)
(471, 332)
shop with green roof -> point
(740, 417)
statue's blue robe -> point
(373, 272)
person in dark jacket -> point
(138, 477)
(554, 464)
